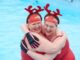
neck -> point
(52, 36)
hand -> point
(24, 46)
(24, 28)
(33, 40)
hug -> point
(44, 41)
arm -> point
(57, 45)
(51, 47)
(36, 56)
(51, 56)
(30, 37)
(45, 49)
(32, 54)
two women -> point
(44, 41)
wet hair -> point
(31, 15)
(56, 17)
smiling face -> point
(35, 27)
(34, 23)
(50, 28)
(50, 25)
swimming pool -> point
(12, 15)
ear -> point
(56, 25)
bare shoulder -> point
(61, 33)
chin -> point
(48, 34)
(37, 31)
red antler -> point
(52, 12)
(29, 9)
(46, 8)
(39, 9)
(57, 13)
(33, 10)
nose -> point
(37, 26)
(48, 28)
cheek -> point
(44, 27)
(31, 28)
(40, 26)
(54, 29)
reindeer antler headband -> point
(52, 12)
(33, 11)
(30, 10)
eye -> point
(39, 24)
(34, 24)
(51, 26)
(46, 25)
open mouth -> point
(37, 29)
(48, 31)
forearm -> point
(55, 46)
(31, 53)
(36, 56)
(52, 47)
(51, 56)
(49, 48)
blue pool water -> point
(12, 15)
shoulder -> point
(61, 33)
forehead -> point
(50, 18)
(37, 22)
(49, 23)
(34, 16)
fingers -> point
(23, 48)
(23, 44)
(35, 45)
(35, 38)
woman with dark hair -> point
(34, 23)
(51, 22)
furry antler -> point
(32, 10)
(29, 9)
(46, 8)
(57, 13)
(39, 9)
(52, 12)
